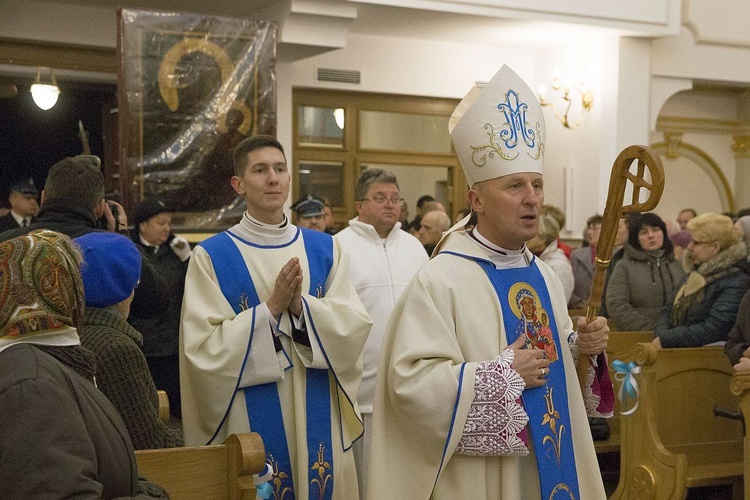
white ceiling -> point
(391, 21)
(430, 25)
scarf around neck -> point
(691, 293)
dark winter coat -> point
(123, 376)
(706, 312)
(161, 332)
(739, 335)
(640, 286)
(583, 271)
(60, 437)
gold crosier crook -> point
(613, 212)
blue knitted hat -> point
(110, 269)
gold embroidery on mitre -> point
(516, 131)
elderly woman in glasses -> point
(705, 307)
(60, 436)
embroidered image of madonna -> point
(533, 320)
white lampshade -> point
(45, 94)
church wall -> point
(449, 70)
(58, 23)
(626, 74)
(707, 118)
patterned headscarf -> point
(41, 293)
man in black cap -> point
(23, 206)
(310, 213)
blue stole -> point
(527, 310)
(263, 404)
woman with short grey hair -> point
(705, 307)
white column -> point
(741, 148)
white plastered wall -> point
(619, 116)
(617, 71)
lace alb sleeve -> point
(497, 420)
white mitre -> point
(499, 130)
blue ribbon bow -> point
(625, 374)
(262, 481)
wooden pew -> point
(673, 441)
(619, 343)
(740, 387)
(163, 406)
(215, 472)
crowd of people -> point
(366, 356)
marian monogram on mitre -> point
(499, 130)
(512, 135)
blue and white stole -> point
(263, 404)
(546, 406)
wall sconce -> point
(45, 94)
(565, 88)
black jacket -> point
(7, 222)
(61, 437)
(74, 219)
(739, 335)
(161, 333)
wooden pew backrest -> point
(673, 441)
(163, 406)
(619, 343)
(220, 472)
(740, 386)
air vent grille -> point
(338, 75)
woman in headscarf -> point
(60, 437)
(705, 307)
(645, 278)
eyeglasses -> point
(380, 199)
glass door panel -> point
(321, 127)
(322, 179)
(404, 132)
